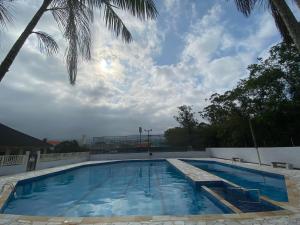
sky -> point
(192, 50)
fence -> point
(10, 164)
(61, 156)
(145, 155)
(9, 160)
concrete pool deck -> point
(289, 216)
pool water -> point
(269, 184)
(115, 189)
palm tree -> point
(5, 15)
(285, 20)
(74, 18)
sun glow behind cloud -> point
(126, 86)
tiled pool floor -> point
(290, 216)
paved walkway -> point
(264, 218)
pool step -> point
(219, 198)
(245, 200)
(246, 195)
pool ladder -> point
(10, 185)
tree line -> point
(268, 100)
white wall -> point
(267, 155)
(144, 155)
(284, 154)
(49, 164)
(52, 160)
(247, 154)
(6, 170)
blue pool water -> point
(269, 184)
(116, 189)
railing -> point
(62, 156)
(10, 160)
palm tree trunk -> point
(290, 20)
(10, 57)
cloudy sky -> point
(194, 49)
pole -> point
(148, 131)
(292, 142)
(140, 131)
(254, 141)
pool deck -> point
(289, 216)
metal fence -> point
(62, 156)
(10, 160)
(141, 150)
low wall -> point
(145, 155)
(45, 165)
(6, 170)
(247, 154)
(267, 155)
(12, 164)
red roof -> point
(53, 142)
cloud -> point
(123, 86)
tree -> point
(177, 136)
(74, 17)
(186, 118)
(5, 14)
(69, 146)
(285, 20)
(270, 94)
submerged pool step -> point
(245, 200)
(219, 198)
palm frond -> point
(142, 9)
(114, 23)
(74, 19)
(5, 14)
(75, 16)
(47, 44)
(245, 6)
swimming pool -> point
(113, 189)
(270, 184)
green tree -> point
(74, 17)
(177, 136)
(186, 118)
(284, 18)
(270, 95)
(69, 146)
